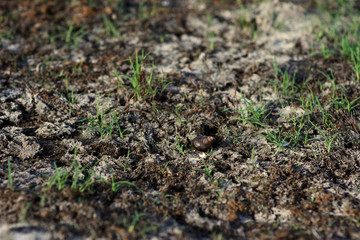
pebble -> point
(203, 143)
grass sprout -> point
(355, 57)
(59, 179)
(24, 211)
(277, 138)
(328, 140)
(326, 117)
(104, 122)
(342, 102)
(138, 76)
(115, 185)
(207, 171)
(135, 219)
(276, 68)
(110, 28)
(73, 37)
(299, 134)
(63, 177)
(251, 114)
(285, 83)
(179, 146)
(126, 163)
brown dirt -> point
(206, 62)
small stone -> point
(203, 143)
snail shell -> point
(202, 143)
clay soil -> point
(95, 146)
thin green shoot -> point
(6, 35)
(110, 28)
(77, 171)
(326, 117)
(119, 79)
(134, 221)
(288, 86)
(150, 90)
(345, 46)
(164, 167)
(325, 51)
(69, 32)
(207, 171)
(355, 57)
(210, 152)
(149, 229)
(236, 138)
(299, 135)
(209, 19)
(202, 101)
(126, 163)
(24, 211)
(253, 160)
(76, 69)
(212, 41)
(165, 83)
(137, 67)
(251, 114)
(116, 120)
(143, 11)
(342, 102)
(60, 178)
(276, 68)
(179, 146)
(227, 132)
(356, 221)
(220, 195)
(73, 38)
(177, 109)
(103, 122)
(308, 103)
(180, 120)
(328, 140)
(115, 185)
(277, 138)
(89, 180)
(52, 38)
(331, 80)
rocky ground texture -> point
(100, 102)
